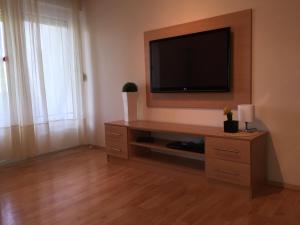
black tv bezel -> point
(200, 89)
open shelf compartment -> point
(157, 151)
(161, 144)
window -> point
(51, 68)
(41, 77)
(57, 66)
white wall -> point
(114, 30)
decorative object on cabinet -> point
(130, 96)
(230, 126)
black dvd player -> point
(187, 146)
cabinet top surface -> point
(186, 129)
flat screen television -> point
(197, 62)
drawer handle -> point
(227, 172)
(227, 150)
(115, 149)
(114, 134)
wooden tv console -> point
(238, 158)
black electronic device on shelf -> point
(187, 146)
(145, 139)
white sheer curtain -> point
(40, 77)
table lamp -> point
(246, 114)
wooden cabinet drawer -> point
(228, 149)
(116, 140)
(228, 171)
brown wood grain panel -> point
(228, 171)
(259, 163)
(154, 126)
(228, 149)
(116, 140)
(78, 186)
(241, 27)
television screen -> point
(197, 62)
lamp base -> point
(249, 130)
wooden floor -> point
(79, 187)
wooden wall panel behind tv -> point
(241, 28)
